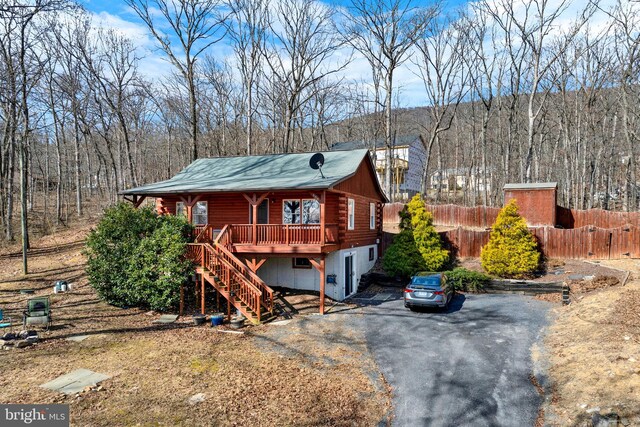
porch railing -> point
(283, 234)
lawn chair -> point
(5, 322)
(38, 312)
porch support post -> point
(254, 222)
(321, 200)
(254, 201)
(202, 305)
(189, 202)
(138, 201)
(254, 264)
(320, 266)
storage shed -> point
(537, 201)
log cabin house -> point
(272, 220)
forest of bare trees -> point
(539, 91)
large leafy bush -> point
(136, 258)
(418, 246)
(512, 250)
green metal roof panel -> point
(258, 173)
(399, 141)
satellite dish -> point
(316, 162)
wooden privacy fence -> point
(585, 234)
(578, 243)
(479, 216)
(576, 218)
(485, 216)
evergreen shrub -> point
(512, 251)
(418, 246)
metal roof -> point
(400, 141)
(531, 186)
(259, 173)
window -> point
(372, 216)
(301, 263)
(291, 212)
(263, 212)
(180, 209)
(200, 213)
(351, 214)
(305, 211)
(310, 211)
(372, 254)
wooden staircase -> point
(231, 277)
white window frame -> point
(372, 216)
(194, 215)
(351, 214)
(181, 211)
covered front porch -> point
(235, 274)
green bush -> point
(425, 235)
(512, 250)
(402, 258)
(136, 258)
(467, 280)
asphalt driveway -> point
(470, 365)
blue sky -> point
(116, 14)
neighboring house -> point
(273, 221)
(407, 162)
(459, 179)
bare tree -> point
(247, 29)
(485, 73)
(441, 66)
(626, 20)
(196, 26)
(534, 24)
(26, 68)
(301, 53)
(384, 32)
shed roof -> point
(531, 186)
(400, 141)
(259, 173)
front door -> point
(348, 275)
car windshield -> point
(426, 280)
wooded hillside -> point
(513, 93)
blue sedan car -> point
(428, 290)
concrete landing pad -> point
(78, 338)
(75, 381)
(167, 318)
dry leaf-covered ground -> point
(312, 371)
(594, 348)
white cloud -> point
(408, 85)
(153, 64)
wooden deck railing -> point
(283, 234)
(203, 233)
(244, 283)
(221, 244)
